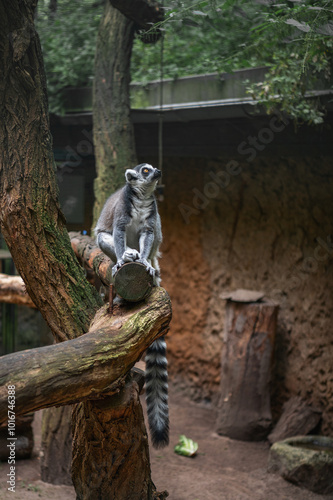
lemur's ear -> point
(131, 175)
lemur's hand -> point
(148, 266)
(130, 255)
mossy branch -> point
(89, 367)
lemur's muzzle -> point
(157, 173)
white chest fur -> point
(140, 212)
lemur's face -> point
(143, 174)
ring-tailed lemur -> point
(129, 229)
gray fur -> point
(129, 229)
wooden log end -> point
(132, 282)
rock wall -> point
(262, 225)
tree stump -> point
(244, 407)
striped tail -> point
(157, 393)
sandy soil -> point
(222, 470)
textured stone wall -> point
(262, 225)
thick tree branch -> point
(13, 291)
(91, 257)
(88, 367)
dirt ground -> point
(223, 469)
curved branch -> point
(89, 367)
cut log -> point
(132, 282)
(13, 291)
(244, 407)
(297, 419)
(87, 367)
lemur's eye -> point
(145, 170)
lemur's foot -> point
(130, 255)
(117, 266)
(148, 266)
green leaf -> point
(186, 447)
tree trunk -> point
(244, 409)
(56, 450)
(107, 474)
(30, 218)
(113, 129)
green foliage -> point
(68, 39)
(198, 38)
(288, 88)
(293, 38)
(298, 49)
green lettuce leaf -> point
(186, 447)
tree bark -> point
(88, 367)
(113, 129)
(30, 217)
(13, 291)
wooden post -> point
(244, 407)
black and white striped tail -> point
(157, 393)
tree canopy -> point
(292, 38)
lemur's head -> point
(143, 178)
